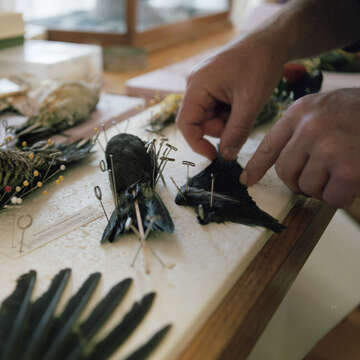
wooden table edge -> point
(235, 326)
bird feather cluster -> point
(166, 113)
(32, 330)
(61, 106)
(25, 170)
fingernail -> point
(243, 177)
(230, 153)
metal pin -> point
(177, 187)
(150, 145)
(165, 155)
(29, 129)
(168, 266)
(212, 190)
(201, 212)
(116, 126)
(104, 130)
(127, 125)
(141, 231)
(97, 140)
(81, 143)
(113, 179)
(162, 140)
(23, 223)
(172, 147)
(164, 161)
(13, 233)
(61, 168)
(128, 223)
(101, 146)
(98, 195)
(103, 166)
(51, 164)
(188, 163)
(138, 217)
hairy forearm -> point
(309, 27)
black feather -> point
(99, 316)
(146, 349)
(62, 328)
(14, 314)
(231, 200)
(121, 332)
(42, 312)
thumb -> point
(236, 131)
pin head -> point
(188, 163)
(98, 192)
(24, 222)
(172, 147)
(102, 165)
(165, 158)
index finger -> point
(191, 119)
(267, 152)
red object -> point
(294, 72)
(7, 188)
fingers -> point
(267, 152)
(214, 127)
(343, 186)
(236, 131)
(291, 163)
(191, 119)
(314, 178)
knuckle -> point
(266, 146)
(305, 187)
(299, 105)
(309, 189)
(240, 130)
(309, 127)
(326, 149)
(346, 175)
(287, 177)
(281, 172)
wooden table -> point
(233, 329)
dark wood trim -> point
(234, 328)
(88, 37)
(131, 15)
(152, 39)
(171, 34)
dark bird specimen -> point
(230, 201)
(135, 170)
(31, 330)
(25, 170)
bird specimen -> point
(61, 106)
(217, 196)
(25, 170)
(134, 171)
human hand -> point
(315, 147)
(226, 92)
